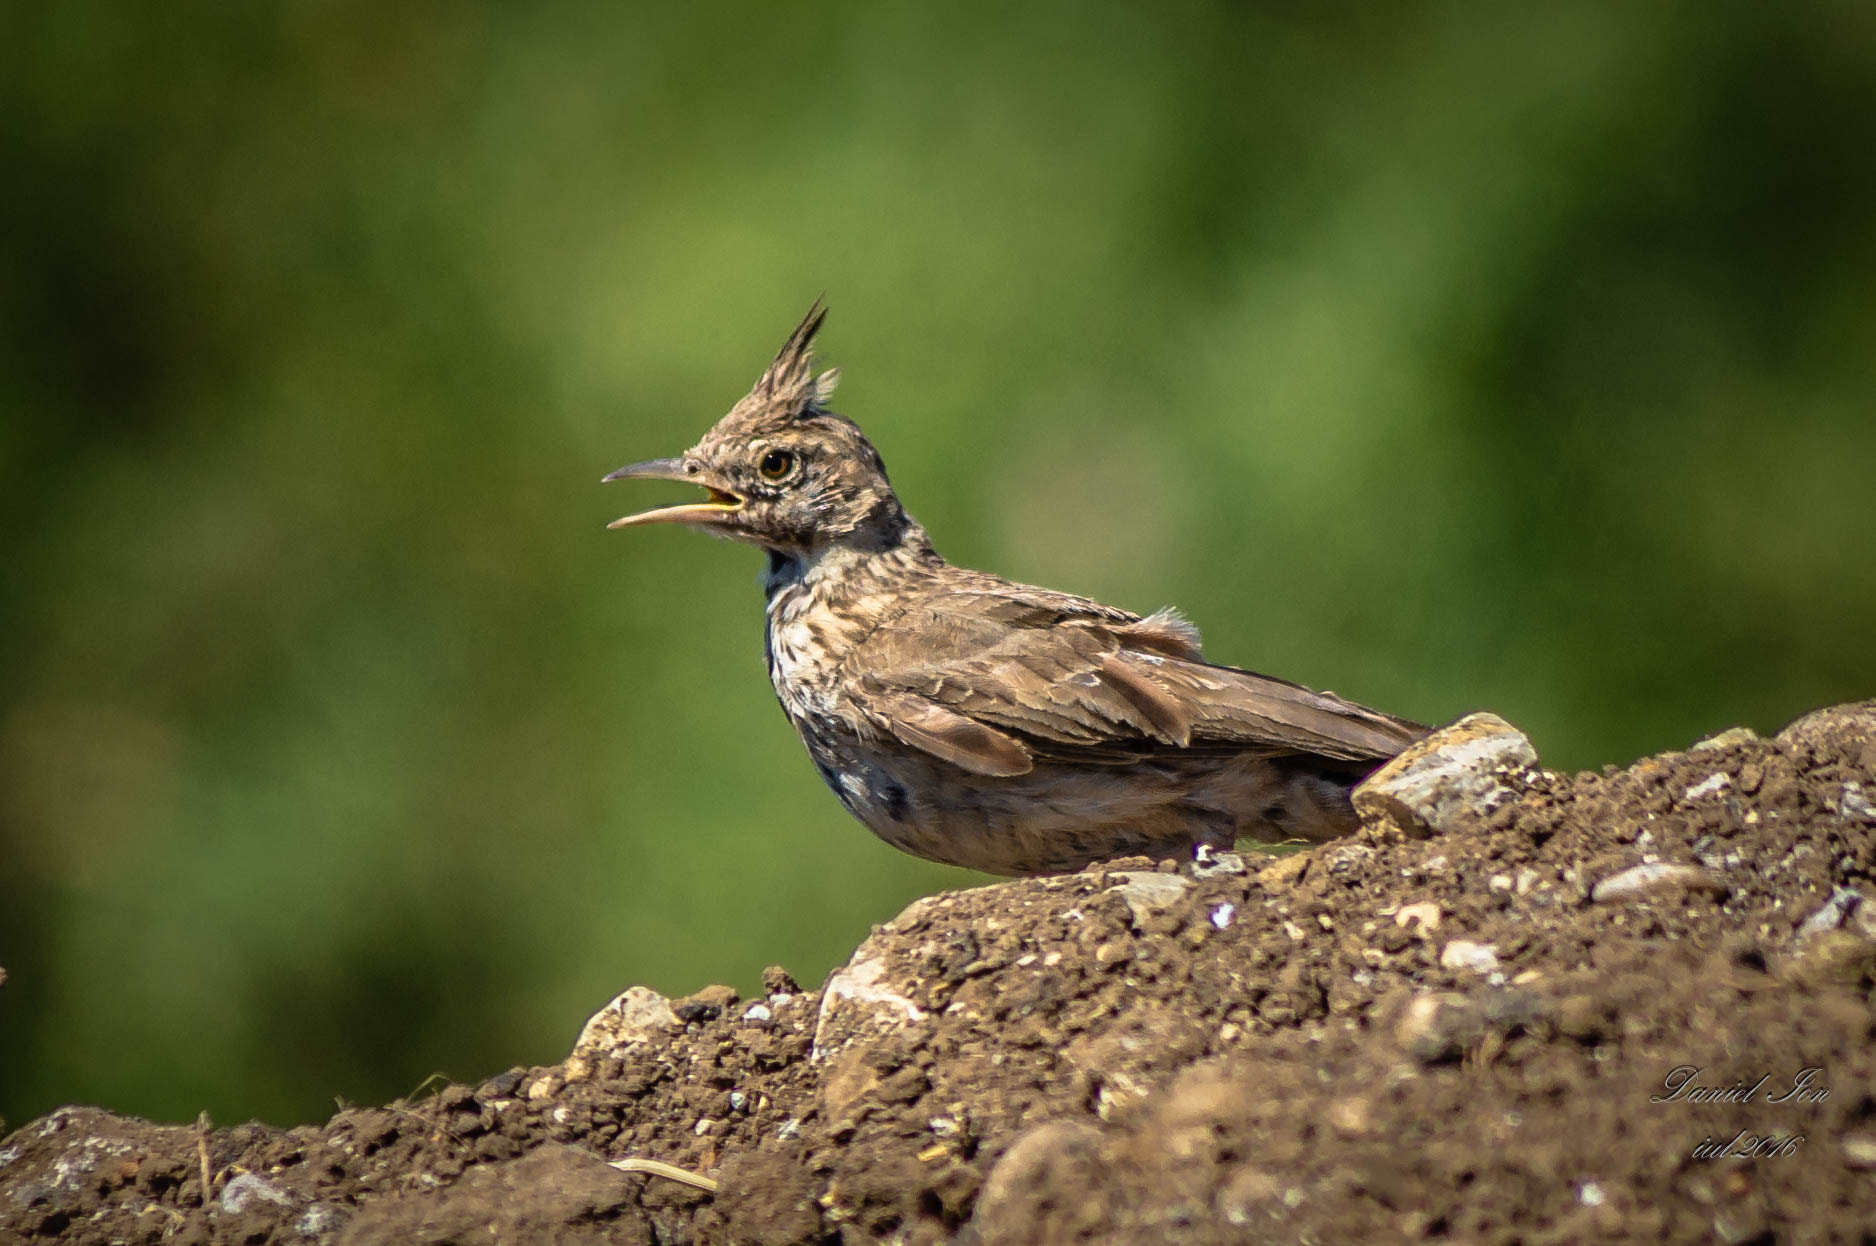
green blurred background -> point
(1452, 357)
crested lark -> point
(984, 723)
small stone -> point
(1832, 914)
(1465, 954)
(1726, 739)
(1500, 882)
(320, 1219)
(705, 1005)
(1708, 786)
(503, 1084)
(758, 1014)
(1351, 1116)
(1147, 893)
(636, 1015)
(1285, 872)
(545, 1087)
(1425, 915)
(1249, 1196)
(1432, 785)
(1656, 881)
(1222, 915)
(1853, 803)
(864, 981)
(1528, 878)
(776, 981)
(1439, 1026)
(248, 1190)
(704, 1127)
(1859, 1151)
(1207, 862)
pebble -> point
(1147, 893)
(1426, 914)
(1209, 863)
(1351, 1116)
(1655, 881)
(1833, 913)
(1725, 739)
(247, 1189)
(1439, 1026)
(1222, 915)
(1852, 803)
(636, 1015)
(1465, 954)
(758, 1013)
(320, 1218)
(705, 1005)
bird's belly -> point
(1056, 818)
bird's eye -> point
(776, 464)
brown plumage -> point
(984, 723)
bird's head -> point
(781, 470)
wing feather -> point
(992, 681)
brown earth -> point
(1471, 1037)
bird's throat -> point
(784, 569)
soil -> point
(1503, 1032)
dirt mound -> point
(1633, 1005)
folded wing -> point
(994, 682)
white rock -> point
(638, 1014)
(1147, 892)
(247, 1189)
(1656, 881)
(1465, 954)
(1456, 770)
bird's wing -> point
(993, 682)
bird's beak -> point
(712, 510)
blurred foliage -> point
(1450, 356)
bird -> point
(983, 723)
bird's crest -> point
(789, 388)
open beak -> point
(713, 509)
